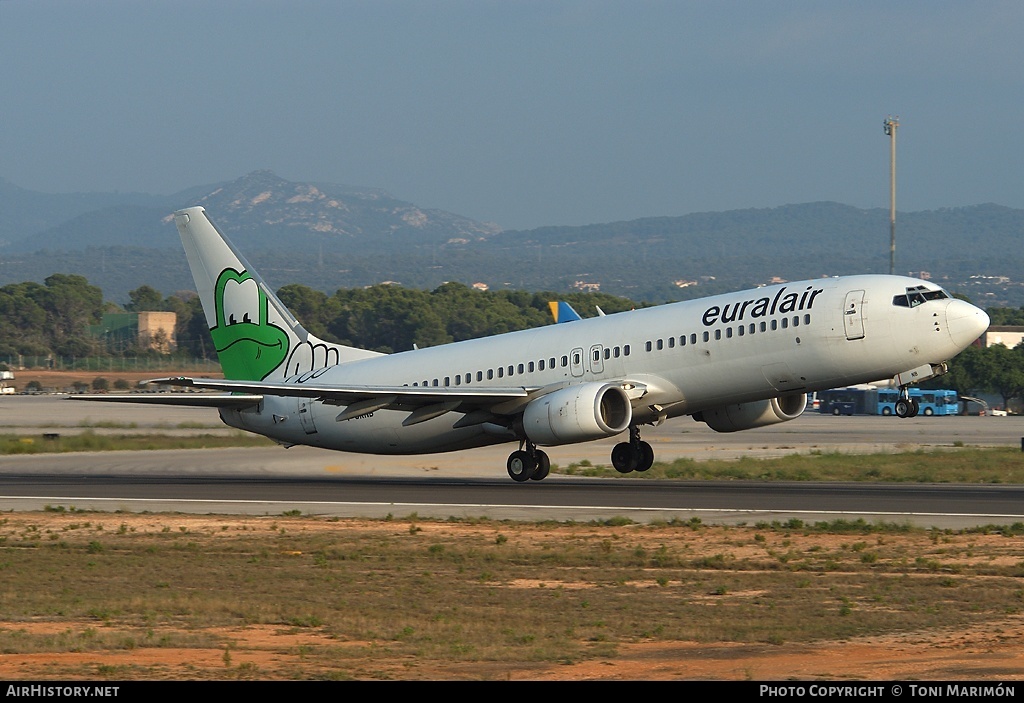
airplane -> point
(735, 361)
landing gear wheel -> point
(902, 408)
(543, 466)
(521, 466)
(914, 407)
(624, 459)
(645, 457)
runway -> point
(473, 483)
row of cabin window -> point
(529, 367)
(740, 331)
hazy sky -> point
(522, 113)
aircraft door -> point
(853, 315)
(596, 359)
(305, 410)
(576, 361)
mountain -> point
(329, 236)
(24, 213)
(259, 210)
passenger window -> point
(661, 345)
(625, 350)
(647, 346)
(718, 334)
(707, 335)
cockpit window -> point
(918, 295)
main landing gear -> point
(634, 455)
(529, 463)
(906, 406)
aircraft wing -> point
(425, 402)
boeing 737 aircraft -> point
(735, 361)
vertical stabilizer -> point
(255, 335)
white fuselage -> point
(684, 358)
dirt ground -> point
(966, 655)
(991, 652)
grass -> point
(89, 441)
(953, 465)
(401, 598)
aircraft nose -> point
(965, 322)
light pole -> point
(890, 126)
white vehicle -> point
(735, 361)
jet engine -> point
(577, 414)
(746, 416)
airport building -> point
(143, 331)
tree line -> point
(52, 318)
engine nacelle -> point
(577, 414)
(746, 416)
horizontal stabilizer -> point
(196, 400)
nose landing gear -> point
(906, 406)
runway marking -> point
(514, 506)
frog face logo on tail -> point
(249, 346)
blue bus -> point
(929, 402)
